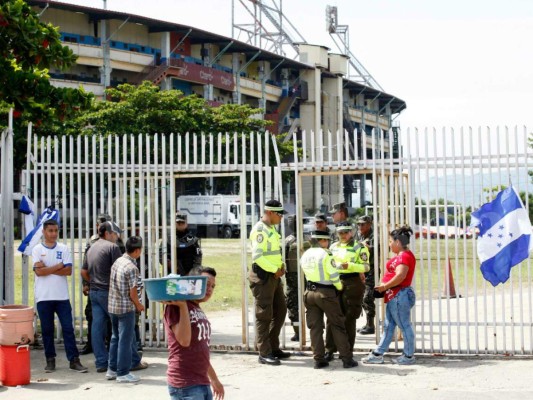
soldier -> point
(351, 259)
(265, 283)
(188, 247)
(365, 236)
(321, 298)
(339, 213)
(292, 253)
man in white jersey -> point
(52, 263)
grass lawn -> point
(225, 256)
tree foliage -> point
(28, 48)
(147, 109)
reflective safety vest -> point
(266, 247)
(318, 266)
(357, 257)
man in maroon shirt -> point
(190, 374)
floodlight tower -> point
(268, 27)
(339, 33)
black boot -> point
(87, 349)
(369, 328)
(296, 337)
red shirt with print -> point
(187, 366)
(407, 258)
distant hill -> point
(467, 189)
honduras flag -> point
(505, 235)
(34, 237)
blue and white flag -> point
(505, 235)
(34, 237)
(27, 208)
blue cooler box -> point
(176, 287)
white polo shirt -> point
(51, 287)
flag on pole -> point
(27, 208)
(505, 235)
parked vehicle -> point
(220, 213)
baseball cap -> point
(275, 206)
(109, 226)
(103, 217)
(337, 207)
(364, 219)
(180, 217)
(321, 217)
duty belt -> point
(314, 286)
(348, 275)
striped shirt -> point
(124, 275)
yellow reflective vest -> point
(356, 255)
(266, 247)
(318, 266)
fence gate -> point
(134, 179)
(432, 181)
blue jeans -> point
(123, 344)
(99, 326)
(46, 311)
(197, 392)
(398, 313)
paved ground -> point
(432, 377)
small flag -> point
(505, 235)
(27, 208)
(34, 237)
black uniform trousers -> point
(270, 312)
(317, 303)
(351, 299)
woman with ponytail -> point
(399, 297)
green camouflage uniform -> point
(368, 300)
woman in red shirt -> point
(399, 297)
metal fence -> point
(433, 184)
(428, 179)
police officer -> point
(265, 283)
(188, 250)
(292, 253)
(365, 236)
(321, 298)
(352, 259)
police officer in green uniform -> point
(321, 298)
(292, 253)
(265, 283)
(352, 260)
(365, 236)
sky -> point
(455, 62)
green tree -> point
(28, 48)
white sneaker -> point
(110, 375)
(130, 378)
(373, 359)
